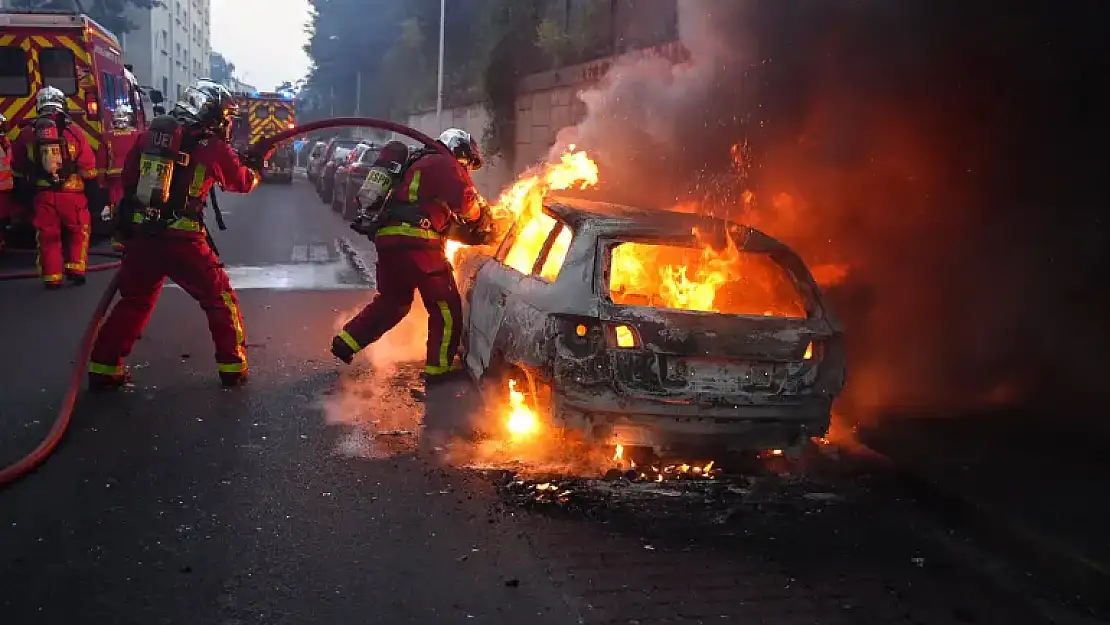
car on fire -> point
(652, 329)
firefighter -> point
(9, 203)
(167, 178)
(57, 164)
(425, 199)
(123, 137)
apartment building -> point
(170, 46)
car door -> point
(503, 318)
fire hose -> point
(27, 464)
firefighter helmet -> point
(463, 146)
(122, 117)
(210, 105)
(50, 101)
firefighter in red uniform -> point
(9, 203)
(415, 204)
(167, 178)
(123, 137)
(55, 160)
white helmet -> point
(50, 101)
(463, 146)
(122, 117)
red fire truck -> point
(72, 52)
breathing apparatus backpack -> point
(51, 151)
(160, 194)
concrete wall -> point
(495, 174)
(547, 103)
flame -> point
(522, 422)
(686, 278)
(523, 202)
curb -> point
(355, 259)
(1062, 564)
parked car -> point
(315, 161)
(349, 178)
(329, 155)
(582, 308)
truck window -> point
(531, 232)
(59, 69)
(108, 89)
(14, 79)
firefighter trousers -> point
(401, 272)
(190, 262)
(62, 221)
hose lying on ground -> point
(28, 275)
(31, 461)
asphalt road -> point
(286, 502)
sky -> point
(242, 31)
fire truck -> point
(265, 114)
(72, 52)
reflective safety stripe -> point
(414, 186)
(445, 342)
(198, 181)
(96, 367)
(237, 321)
(349, 340)
(405, 230)
(235, 367)
(438, 370)
(184, 223)
(75, 268)
(52, 277)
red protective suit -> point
(122, 141)
(60, 209)
(9, 207)
(411, 253)
(180, 252)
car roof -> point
(617, 220)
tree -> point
(108, 13)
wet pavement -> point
(308, 497)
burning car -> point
(648, 328)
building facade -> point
(170, 46)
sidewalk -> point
(1037, 484)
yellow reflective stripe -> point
(414, 186)
(52, 277)
(137, 218)
(448, 323)
(188, 225)
(238, 367)
(96, 367)
(438, 370)
(349, 340)
(75, 267)
(237, 320)
(198, 181)
(405, 230)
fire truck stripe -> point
(6, 39)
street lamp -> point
(439, 88)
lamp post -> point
(439, 80)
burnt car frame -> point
(685, 380)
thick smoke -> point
(945, 152)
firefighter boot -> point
(101, 383)
(341, 350)
(232, 379)
(77, 279)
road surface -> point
(176, 501)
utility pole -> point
(439, 88)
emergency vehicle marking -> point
(263, 118)
(22, 107)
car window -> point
(59, 69)
(557, 254)
(529, 235)
(14, 79)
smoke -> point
(945, 153)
